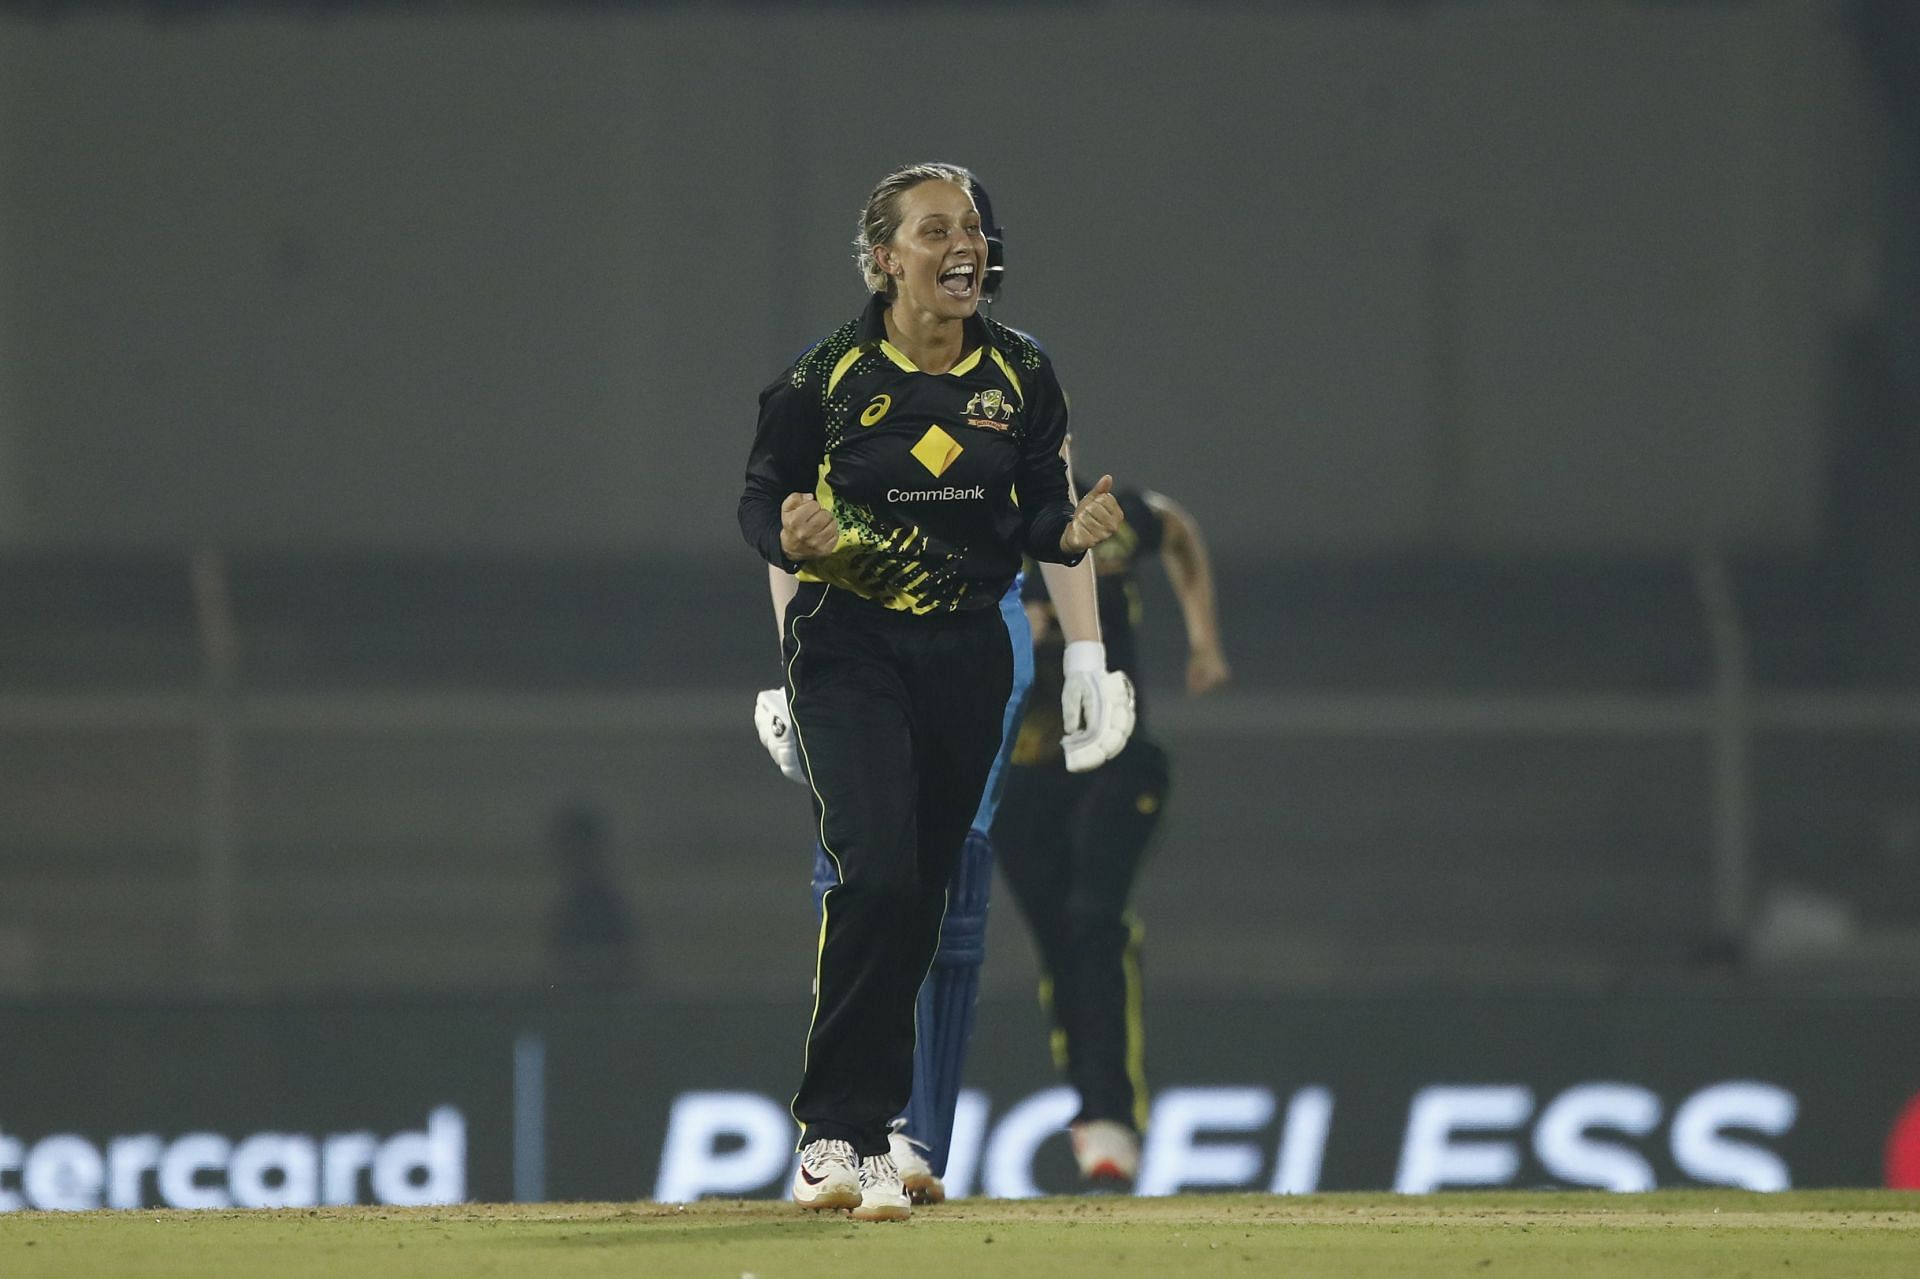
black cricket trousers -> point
(1071, 846)
(899, 719)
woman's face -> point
(939, 255)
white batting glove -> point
(1096, 705)
(775, 726)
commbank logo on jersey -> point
(990, 410)
(936, 450)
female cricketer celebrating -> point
(883, 475)
(922, 1137)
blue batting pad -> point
(825, 875)
(944, 1015)
(1014, 614)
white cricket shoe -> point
(916, 1174)
(828, 1176)
(1107, 1151)
(882, 1197)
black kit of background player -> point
(1071, 844)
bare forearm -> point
(1075, 601)
(1192, 577)
(1189, 569)
(782, 587)
(1184, 554)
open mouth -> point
(958, 281)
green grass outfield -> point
(1696, 1234)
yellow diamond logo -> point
(936, 450)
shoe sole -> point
(925, 1190)
(841, 1199)
(887, 1212)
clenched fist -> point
(807, 529)
(1096, 519)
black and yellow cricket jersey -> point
(940, 482)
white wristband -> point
(1089, 656)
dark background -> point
(376, 380)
